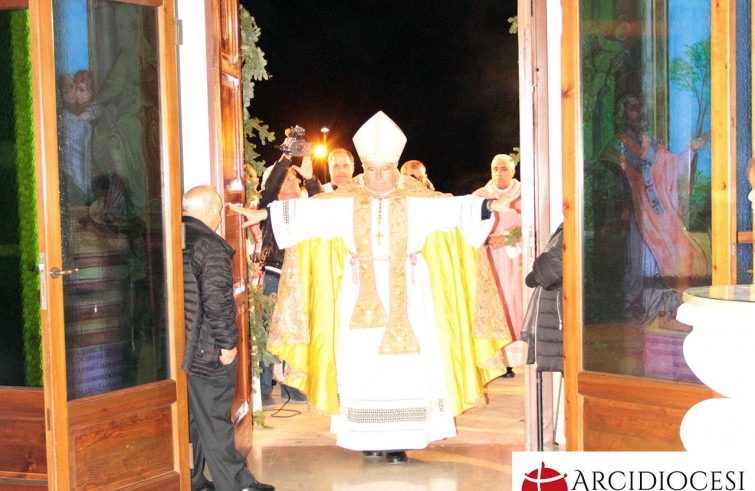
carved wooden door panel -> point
(229, 176)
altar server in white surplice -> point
(387, 316)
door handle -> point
(56, 272)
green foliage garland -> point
(253, 65)
(516, 155)
(514, 27)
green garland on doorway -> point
(253, 65)
(514, 24)
(27, 200)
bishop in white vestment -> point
(396, 330)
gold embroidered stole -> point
(368, 311)
(398, 337)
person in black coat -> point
(281, 183)
(270, 254)
(543, 323)
(211, 337)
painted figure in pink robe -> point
(662, 257)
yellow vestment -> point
(469, 314)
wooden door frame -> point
(573, 198)
(723, 122)
(723, 220)
(46, 154)
(48, 220)
(535, 171)
(172, 195)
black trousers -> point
(211, 432)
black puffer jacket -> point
(209, 309)
(543, 323)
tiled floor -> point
(299, 454)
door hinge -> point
(179, 30)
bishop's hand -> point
(252, 216)
(502, 204)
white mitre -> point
(379, 140)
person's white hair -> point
(506, 158)
(199, 199)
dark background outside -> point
(446, 72)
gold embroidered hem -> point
(489, 317)
(290, 317)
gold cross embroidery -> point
(380, 234)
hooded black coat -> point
(543, 323)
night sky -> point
(446, 72)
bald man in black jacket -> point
(211, 338)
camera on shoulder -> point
(295, 144)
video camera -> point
(294, 144)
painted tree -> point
(691, 73)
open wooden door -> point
(228, 178)
(639, 172)
(112, 399)
(23, 455)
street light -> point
(324, 130)
(320, 151)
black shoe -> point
(396, 457)
(268, 403)
(207, 486)
(371, 454)
(258, 486)
(294, 396)
(509, 373)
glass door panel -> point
(646, 126)
(744, 143)
(106, 66)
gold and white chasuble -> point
(387, 316)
